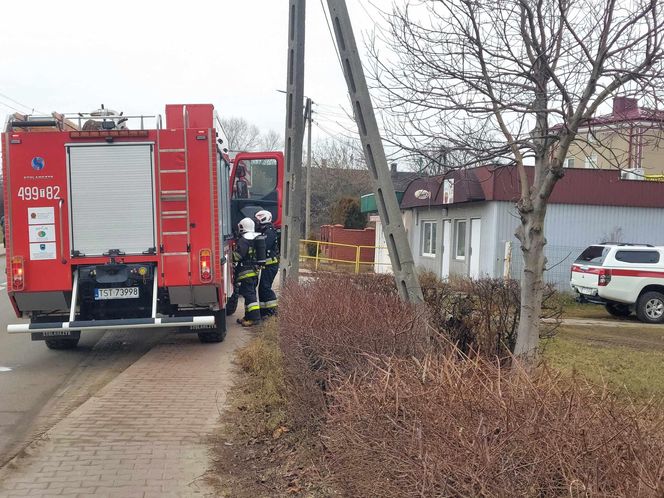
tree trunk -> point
(531, 236)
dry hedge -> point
(478, 316)
(327, 326)
(402, 411)
(444, 427)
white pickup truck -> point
(625, 278)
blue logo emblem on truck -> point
(38, 163)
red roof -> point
(625, 110)
(500, 183)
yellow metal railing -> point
(654, 178)
(321, 259)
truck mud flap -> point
(47, 329)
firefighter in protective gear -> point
(266, 296)
(246, 274)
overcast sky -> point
(137, 56)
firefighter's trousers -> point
(266, 296)
(248, 292)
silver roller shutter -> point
(111, 193)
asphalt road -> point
(38, 386)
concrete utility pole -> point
(307, 217)
(292, 203)
(401, 256)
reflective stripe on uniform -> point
(272, 261)
(246, 274)
(269, 304)
(252, 307)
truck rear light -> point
(604, 277)
(205, 262)
(18, 274)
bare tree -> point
(337, 171)
(511, 82)
(241, 135)
(340, 153)
(271, 140)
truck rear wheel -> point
(650, 308)
(61, 343)
(218, 334)
(618, 309)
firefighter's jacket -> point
(271, 244)
(244, 257)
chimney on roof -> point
(393, 167)
(624, 105)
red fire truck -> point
(114, 226)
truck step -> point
(173, 195)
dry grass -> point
(628, 359)
(263, 393)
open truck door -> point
(257, 183)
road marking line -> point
(5, 369)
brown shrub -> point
(326, 328)
(444, 427)
(482, 316)
(402, 412)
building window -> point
(460, 239)
(568, 162)
(429, 238)
(591, 161)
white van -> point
(626, 278)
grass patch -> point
(578, 310)
(627, 359)
(263, 393)
(257, 451)
(573, 309)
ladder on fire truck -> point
(174, 212)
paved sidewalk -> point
(143, 435)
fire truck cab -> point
(112, 225)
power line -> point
(336, 137)
(32, 109)
(334, 41)
(10, 107)
(336, 115)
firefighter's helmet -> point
(263, 217)
(246, 225)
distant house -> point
(464, 223)
(630, 138)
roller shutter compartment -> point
(111, 193)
